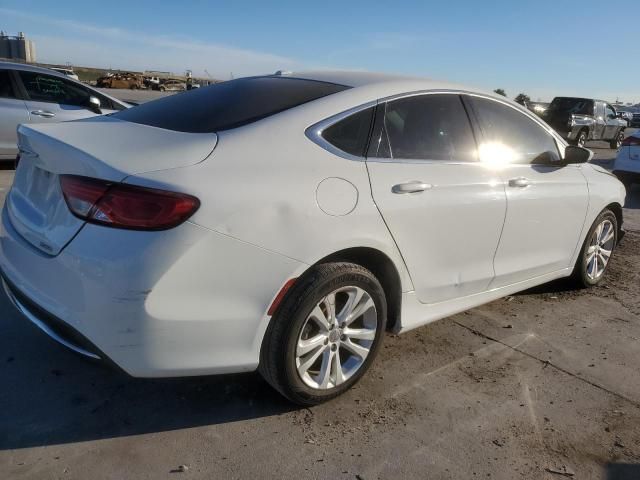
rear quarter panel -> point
(260, 186)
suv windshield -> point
(229, 104)
(580, 106)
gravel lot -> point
(544, 384)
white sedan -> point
(284, 222)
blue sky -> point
(543, 48)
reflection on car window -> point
(510, 135)
(428, 127)
(609, 113)
(46, 88)
(352, 133)
(6, 89)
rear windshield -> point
(579, 106)
(229, 104)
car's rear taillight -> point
(126, 206)
(631, 142)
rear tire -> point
(616, 142)
(597, 249)
(309, 357)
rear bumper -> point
(186, 301)
(52, 326)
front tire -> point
(597, 249)
(581, 140)
(616, 143)
(325, 334)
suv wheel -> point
(616, 143)
(582, 138)
(325, 334)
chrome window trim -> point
(314, 132)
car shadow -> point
(561, 285)
(622, 471)
(51, 396)
(633, 197)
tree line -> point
(522, 98)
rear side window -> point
(351, 135)
(49, 88)
(427, 127)
(229, 104)
(6, 89)
(517, 138)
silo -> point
(5, 52)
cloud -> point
(92, 45)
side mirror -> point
(574, 154)
(94, 105)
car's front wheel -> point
(325, 334)
(597, 249)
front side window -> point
(510, 136)
(351, 134)
(47, 88)
(6, 88)
(426, 127)
(609, 112)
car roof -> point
(29, 68)
(358, 78)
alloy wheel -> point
(582, 140)
(599, 251)
(336, 338)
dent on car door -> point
(13, 112)
(443, 208)
(546, 204)
(53, 98)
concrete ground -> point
(541, 385)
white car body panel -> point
(433, 228)
(194, 299)
(543, 222)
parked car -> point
(625, 115)
(123, 80)
(635, 120)
(284, 222)
(152, 82)
(67, 72)
(627, 163)
(171, 85)
(38, 95)
(579, 120)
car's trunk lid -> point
(102, 148)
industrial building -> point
(17, 48)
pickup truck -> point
(579, 120)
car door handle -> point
(43, 113)
(519, 182)
(411, 187)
